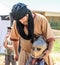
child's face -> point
(8, 31)
(36, 52)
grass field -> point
(56, 48)
(56, 52)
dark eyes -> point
(38, 49)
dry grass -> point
(2, 62)
(56, 58)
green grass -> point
(56, 51)
(56, 48)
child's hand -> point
(7, 36)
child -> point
(9, 56)
(37, 52)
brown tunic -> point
(41, 26)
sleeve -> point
(14, 33)
(46, 30)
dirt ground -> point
(2, 61)
(55, 56)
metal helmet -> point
(38, 47)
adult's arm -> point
(14, 36)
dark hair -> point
(8, 27)
(18, 11)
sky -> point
(40, 5)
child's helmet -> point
(38, 47)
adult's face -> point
(24, 20)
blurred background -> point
(49, 8)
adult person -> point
(27, 26)
(9, 55)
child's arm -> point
(5, 42)
(6, 45)
(10, 47)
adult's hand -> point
(46, 54)
(16, 57)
